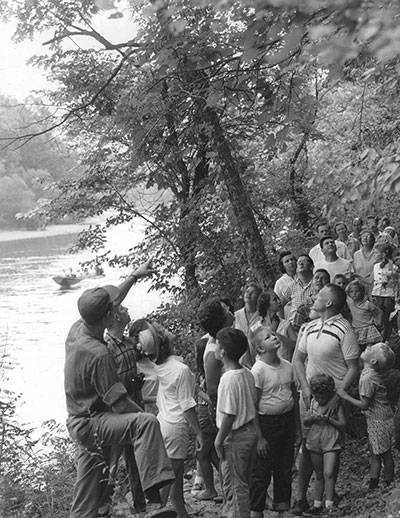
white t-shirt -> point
(328, 346)
(275, 384)
(176, 389)
(236, 396)
(340, 266)
(317, 255)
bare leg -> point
(374, 465)
(317, 460)
(331, 461)
(175, 490)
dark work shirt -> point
(91, 381)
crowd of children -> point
(248, 423)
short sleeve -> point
(367, 387)
(227, 403)
(185, 389)
(350, 348)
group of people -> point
(275, 380)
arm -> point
(226, 427)
(362, 403)
(191, 418)
(144, 270)
(297, 415)
(262, 444)
(350, 377)
(299, 359)
(124, 405)
(213, 370)
(339, 421)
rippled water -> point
(36, 315)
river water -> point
(36, 315)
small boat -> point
(70, 279)
(66, 281)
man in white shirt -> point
(333, 264)
(324, 230)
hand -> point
(219, 448)
(262, 447)
(341, 393)
(200, 442)
(144, 270)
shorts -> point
(209, 431)
(176, 438)
(380, 435)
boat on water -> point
(70, 279)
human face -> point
(320, 279)
(322, 398)
(303, 265)
(322, 300)
(274, 303)
(289, 264)
(219, 352)
(341, 230)
(371, 353)
(396, 258)
(341, 281)
(268, 341)
(378, 255)
(121, 314)
(328, 246)
(324, 230)
(365, 239)
(251, 294)
(355, 293)
(357, 225)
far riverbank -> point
(50, 231)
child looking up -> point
(236, 441)
(374, 403)
(366, 317)
(279, 424)
(326, 420)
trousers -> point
(95, 434)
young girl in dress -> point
(366, 316)
(326, 420)
(383, 291)
(375, 405)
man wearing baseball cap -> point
(100, 413)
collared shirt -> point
(316, 253)
(328, 346)
(92, 383)
(297, 293)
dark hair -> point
(233, 342)
(339, 295)
(323, 239)
(339, 276)
(227, 301)
(252, 284)
(340, 223)
(199, 348)
(135, 327)
(322, 384)
(264, 301)
(212, 316)
(323, 223)
(283, 254)
(310, 261)
(386, 248)
(325, 272)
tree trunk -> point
(239, 199)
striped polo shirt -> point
(328, 345)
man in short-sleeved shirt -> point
(327, 345)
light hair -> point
(385, 359)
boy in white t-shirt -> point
(279, 424)
(237, 436)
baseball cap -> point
(94, 303)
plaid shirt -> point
(124, 353)
(296, 293)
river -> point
(36, 315)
